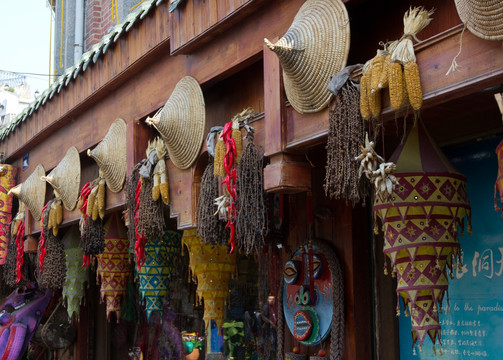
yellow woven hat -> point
(65, 178)
(32, 192)
(484, 18)
(110, 154)
(181, 122)
(314, 48)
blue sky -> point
(24, 40)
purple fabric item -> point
(20, 315)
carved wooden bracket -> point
(287, 173)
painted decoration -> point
(421, 224)
(76, 274)
(7, 182)
(155, 273)
(308, 301)
(212, 266)
(113, 265)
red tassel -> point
(20, 251)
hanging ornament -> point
(7, 182)
(420, 222)
(154, 275)
(76, 274)
(113, 265)
(211, 266)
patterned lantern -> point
(113, 264)
(76, 274)
(498, 186)
(212, 267)
(7, 181)
(420, 223)
(155, 274)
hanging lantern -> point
(113, 264)
(155, 274)
(7, 181)
(76, 274)
(420, 222)
(211, 266)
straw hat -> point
(314, 48)
(110, 154)
(32, 192)
(181, 122)
(484, 18)
(65, 178)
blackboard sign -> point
(473, 327)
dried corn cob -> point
(377, 70)
(155, 188)
(236, 135)
(91, 200)
(59, 212)
(219, 169)
(375, 104)
(395, 85)
(405, 97)
(101, 199)
(96, 210)
(50, 221)
(413, 84)
(163, 185)
(383, 80)
(364, 96)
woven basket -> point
(110, 155)
(32, 192)
(65, 178)
(181, 122)
(314, 48)
(484, 18)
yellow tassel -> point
(413, 82)
(395, 85)
(218, 169)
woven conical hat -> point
(314, 48)
(484, 18)
(110, 154)
(32, 192)
(181, 122)
(65, 178)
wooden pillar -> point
(286, 172)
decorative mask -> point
(313, 298)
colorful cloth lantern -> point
(76, 274)
(211, 266)
(7, 182)
(420, 223)
(113, 264)
(155, 273)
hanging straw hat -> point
(314, 48)
(32, 192)
(181, 122)
(110, 154)
(484, 18)
(65, 178)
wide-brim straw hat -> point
(484, 18)
(65, 178)
(110, 155)
(314, 48)
(32, 192)
(181, 122)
